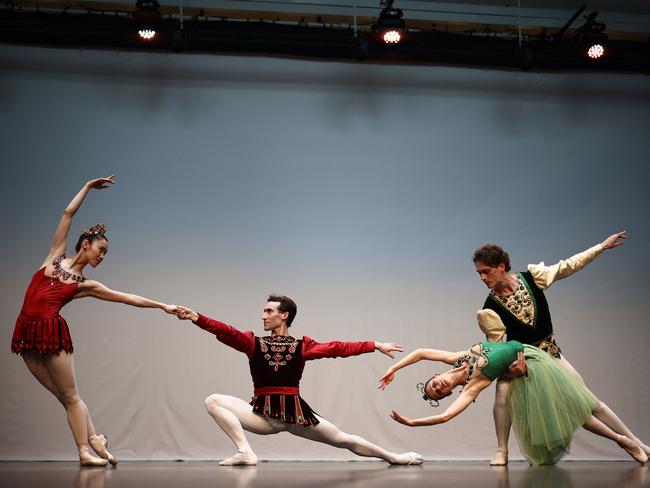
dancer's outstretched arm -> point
(230, 336)
(95, 289)
(545, 276)
(59, 241)
(467, 396)
(414, 357)
(339, 349)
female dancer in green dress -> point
(547, 405)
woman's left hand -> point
(388, 348)
(401, 419)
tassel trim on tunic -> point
(290, 409)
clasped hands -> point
(184, 313)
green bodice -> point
(499, 355)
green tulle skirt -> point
(547, 407)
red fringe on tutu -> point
(291, 409)
(43, 336)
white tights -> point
(602, 412)
(234, 416)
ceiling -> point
(469, 32)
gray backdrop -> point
(359, 190)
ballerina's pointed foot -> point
(633, 449)
(409, 459)
(240, 459)
(501, 459)
(645, 448)
(99, 443)
(87, 459)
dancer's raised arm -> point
(545, 276)
(59, 241)
(467, 396)
(418, 355)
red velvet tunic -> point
(276, 365)
(39, 327)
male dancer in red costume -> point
(276, 365)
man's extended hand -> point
(388, 348)
(614, 240)
(185, 313)
(518, 367)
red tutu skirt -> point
(290, 409)
(43, 336)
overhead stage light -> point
(147, 34)
(593, 37)
(147, 16)
(390, 27)
(596, 51)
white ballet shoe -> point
(416, 459)
(633, 449)
(240, 459)
(409, 459)
(501, 459)
(99, 443)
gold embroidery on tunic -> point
(278, 346)
(520, 303)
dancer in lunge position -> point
(547, 405)
(276, 365)
(516, 307)
(41, 335)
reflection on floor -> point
(324, 474)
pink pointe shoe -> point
(99, 443)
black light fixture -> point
(593, 37)
(390, 27)
(147, 16)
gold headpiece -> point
(95, 229)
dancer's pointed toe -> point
(416, 458)
(99, 443)
(408, 459)
(87, 459)
(633, 449)
(240, 459)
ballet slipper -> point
(240, 459)
(100, 445)
(632, 449)
(645, 448)
(415, 459)
(408, 459)
(87, 459)
(501, 459)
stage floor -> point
(323, 474)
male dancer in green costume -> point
(516, 308)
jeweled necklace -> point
(61, 274)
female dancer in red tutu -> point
(41, 335)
